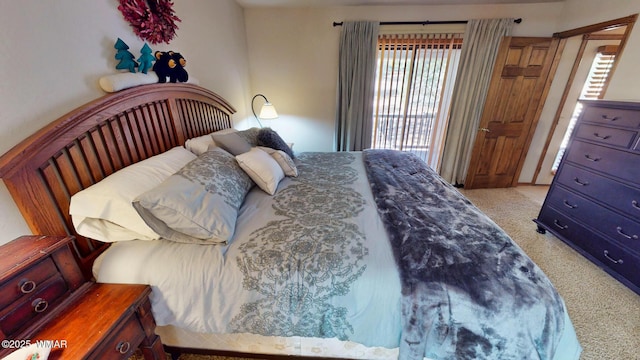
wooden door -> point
(519, 85)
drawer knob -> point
(123, 347)
(635, 204)
(569, 205)
(27, 286)
(603, 137)
(591, 158)
(610, 118)
(40, 305)
(606, 254)
(581, 183)
(630, 237)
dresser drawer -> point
(609, 116)
(609, 254)
(617, 227)
(622, 164)
(615, 194)
(123, 343)
(609, 136)
(26, 282)
(565, 227)
(38, 304)
(617, 259)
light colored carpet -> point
(604, 312)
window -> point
(593, 89)
(415, 78)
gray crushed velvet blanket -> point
(468, 291)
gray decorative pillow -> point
(250, 135)
(199, 203)
(232, 143)
(269, 138)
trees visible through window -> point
(415, 78)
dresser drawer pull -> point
(560, 226)
(603, 137)
(590, 158)
(123, 347)
(609, 118)
(635, 204)
(569, 205)
(40, 305)
(27, 286)
(619, 261)
(581, 183)
(631, 237)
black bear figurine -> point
(170, 64)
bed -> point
(360, 255)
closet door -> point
(519, 86)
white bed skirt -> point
(567, 348)
(273, 345)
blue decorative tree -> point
(127, 60)
(146, 59)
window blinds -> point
(414, 81)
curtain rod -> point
(426, 22)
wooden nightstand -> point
(44, 296)
(109, 321)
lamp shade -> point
(268, 111)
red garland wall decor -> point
(152, 20)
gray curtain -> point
(482, 39)
(356, 82)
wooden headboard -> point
(95, 140)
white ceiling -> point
(306, 3)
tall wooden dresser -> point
(593, 203)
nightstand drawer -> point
(609, 136)
(38, 304)
(609, 116)
(27, 282)
(124, 342)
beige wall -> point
(625, 83)
(54, 52)
(294, 56)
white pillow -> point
(262, 168)
(104, 211)
(121, 81)
(200, 144)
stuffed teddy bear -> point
(170, 64)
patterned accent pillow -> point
(286, 163)
(269, 138)
(199, 203)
